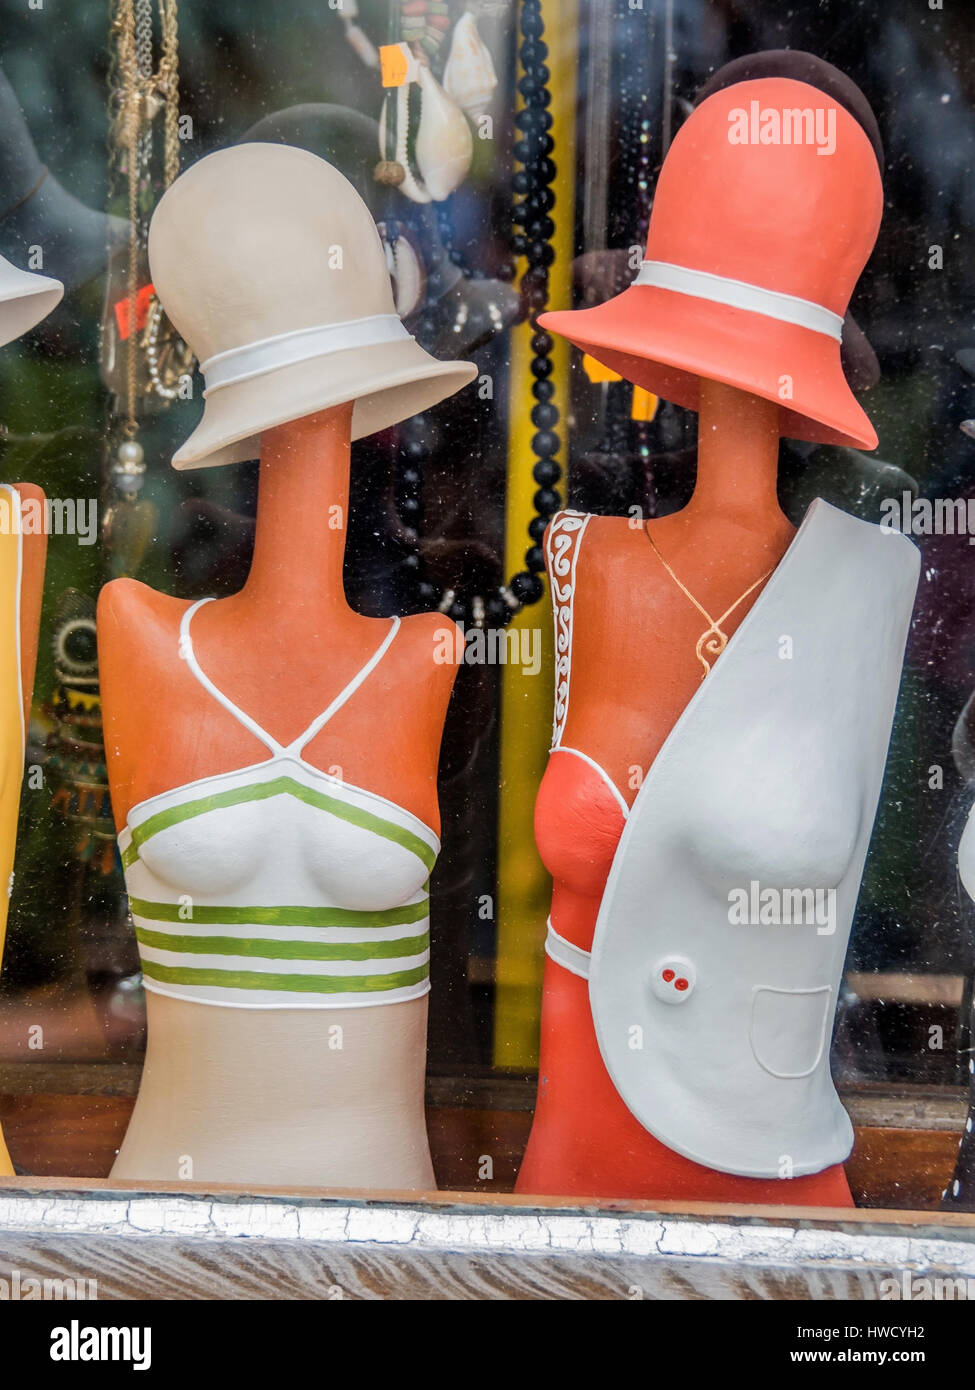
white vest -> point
(719, 946)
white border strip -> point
(741, 294)
(288, 349)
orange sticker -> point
(141, 310)
(394, 64)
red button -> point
(673, 979)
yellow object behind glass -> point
(11, 712)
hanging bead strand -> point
(533, 182)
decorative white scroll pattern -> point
(564, 537)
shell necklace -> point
(713, 639)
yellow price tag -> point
(596, 372)
(393, 64)
(644, 405)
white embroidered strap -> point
(564, 537)
(572, 958)
(287, 349)
(740, 294)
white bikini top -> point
(719, 946)
(277, 885)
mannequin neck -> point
(302, 516)
(737, 457)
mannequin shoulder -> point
(123, 600)
(428, 635)
(880, 556)
(134, 621)
(571, 537)
(431, 648)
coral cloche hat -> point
(753, 251)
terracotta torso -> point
(584, 1139)
(264, 1094)
(276, 1077)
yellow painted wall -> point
(524, 887)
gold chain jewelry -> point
(168, 85)
(139, 359)
(142, 92)
(129, 133)
(713, 639)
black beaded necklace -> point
(532, 185)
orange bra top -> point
(579, 811)
(579, 818)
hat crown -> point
(260, 240)
(771, 182)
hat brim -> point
(666, 342)
(25, 299)
(388, 384)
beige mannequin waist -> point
(314, 1097)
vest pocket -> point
(789, 1029)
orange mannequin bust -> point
(256, 1095)
(584, 1140)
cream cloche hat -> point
(269, 265)
(25, 299)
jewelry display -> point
(532, 182)
(144, 359)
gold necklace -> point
(144, 362)
(713, 639)
(142, 92)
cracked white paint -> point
(313, 1222)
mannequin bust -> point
(264, 1095)
(725, 688)
(22, 558)
(701, 783)
(584, 1140)
(272, 756)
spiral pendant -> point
(712, 641)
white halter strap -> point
(564, 953)
(294, 748)
(287, 349)
(740, 294)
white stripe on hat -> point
(287, 349)
(740, 294)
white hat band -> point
(287, 349)
(739, 294)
